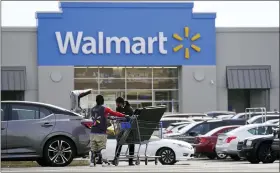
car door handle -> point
(47, 125)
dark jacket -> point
(127, 110)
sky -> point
(229, 14)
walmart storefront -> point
(148, 53)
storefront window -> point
(112, 72)
(112, 95)
(165, 84)
(84, 72)
(81, 84)
(112, 83)
(139, 95)
(141, 86)
(139, 72)
(166, 95)
(139, 83)
(165, 72)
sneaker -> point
(91, 165)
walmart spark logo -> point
(180, 46)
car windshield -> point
(189, 126)
(170, 127)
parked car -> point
(258, 149)
(274, 121)
(184, 115)
(227, 143)
(261, 119)
(276, 141)
(170, 151)
(205, 144)
(192, 130)
(45, 133)
(175, 127)
(247, 115)
(167, 121)
(218, 113)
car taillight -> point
(87, 124)
(229, 139)
(203, 140)
(169, 131)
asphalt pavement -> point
(196, 165)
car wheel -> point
(42, 162)
(266, 155)
(253, 159)
(59, 151)
(234, 157)
(211, 156)
(221, 156)
(167, 156)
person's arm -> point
(109, 111)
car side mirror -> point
(193, 134)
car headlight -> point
(249, 143)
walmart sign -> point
(126, 34)
(90, 45)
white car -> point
(169, 150)
(227, 143)
(275, 122)
(248, 115)
(262, 119)
(175, 127)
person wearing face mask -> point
(124, 108)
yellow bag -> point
(113, 131)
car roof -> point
(226, 112)
(260, 116)
(184, 114)
(249, 126)
(37, 104)
(180, 123)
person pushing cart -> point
(98, 136)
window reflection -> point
(112, 83)
(112, 95)
(139, 83)
(112, 72)
(139, 95)
(166, 95)
(84, 72)
(138, 72)
(81, 84)
(165, 84)
(165, 72)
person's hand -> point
(127, 117)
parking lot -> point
(196, 165)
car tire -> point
(59, 152)
(42, 162)
(167, 156)
(235, 157)
(253, 159)
(266, 154)
(211, 156)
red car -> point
(205, 144)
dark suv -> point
(276, 141)
(192, 130)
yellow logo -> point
(180, 46)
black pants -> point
(131, 148)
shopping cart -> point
(138, 130)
